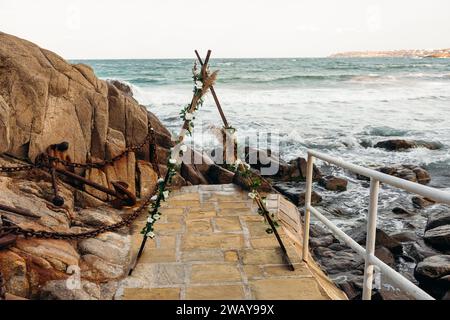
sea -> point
(341, 107)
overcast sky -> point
(231, 28)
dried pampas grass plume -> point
(209, 81)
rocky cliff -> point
(45, 100)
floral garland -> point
(255, 183)
(187, 114)
(201, 86)
(162, 194)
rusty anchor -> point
(124, 197)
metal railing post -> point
(309, 174)
(370, 239)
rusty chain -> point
(10, 228)
(40, 163)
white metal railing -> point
(368, 253)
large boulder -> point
(401, 144)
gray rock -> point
(406, 236)
(323, 241)
(421, 202)
(400, 210)
(439, 237)
(333, 183)
(108, 246)
(97, 217)
(437, 219)
(401, 144)
(408, 172)
(434, 267)
(385, 255)
(59, 290)
(418, 250)
(315, 198)
(382, 239)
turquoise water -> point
(334, 105)
(327, 104)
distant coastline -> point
(438, 53)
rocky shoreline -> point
(45, 100)
(422, 257)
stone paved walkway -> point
(212, 244)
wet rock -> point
(438, 237)
(323, 241)
(265, 159)
(385, 255)
(406, 236)
(351, 284)
(390, 294)
(300, 165)
(382, 239)
(399, 210)
(336, 262)
(437, 219)
(433, 268)
(407, 172)
(418, 250)
(219, 175)
(421, 202)
(315, 198)
(446, 296)
(333, 183)
(194, 176)
(401, 144)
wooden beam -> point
(213, 92)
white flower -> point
(238, 162)
(156, 216)
(154, 198)
(166, 194)
(252, 195)
(160, 180)
(150, 220)
(183, 148)
(247, 166)
(188, 116)
(172, 161)
(150, 234)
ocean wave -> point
(385, 131)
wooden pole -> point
(213, 92)
(275, 232)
